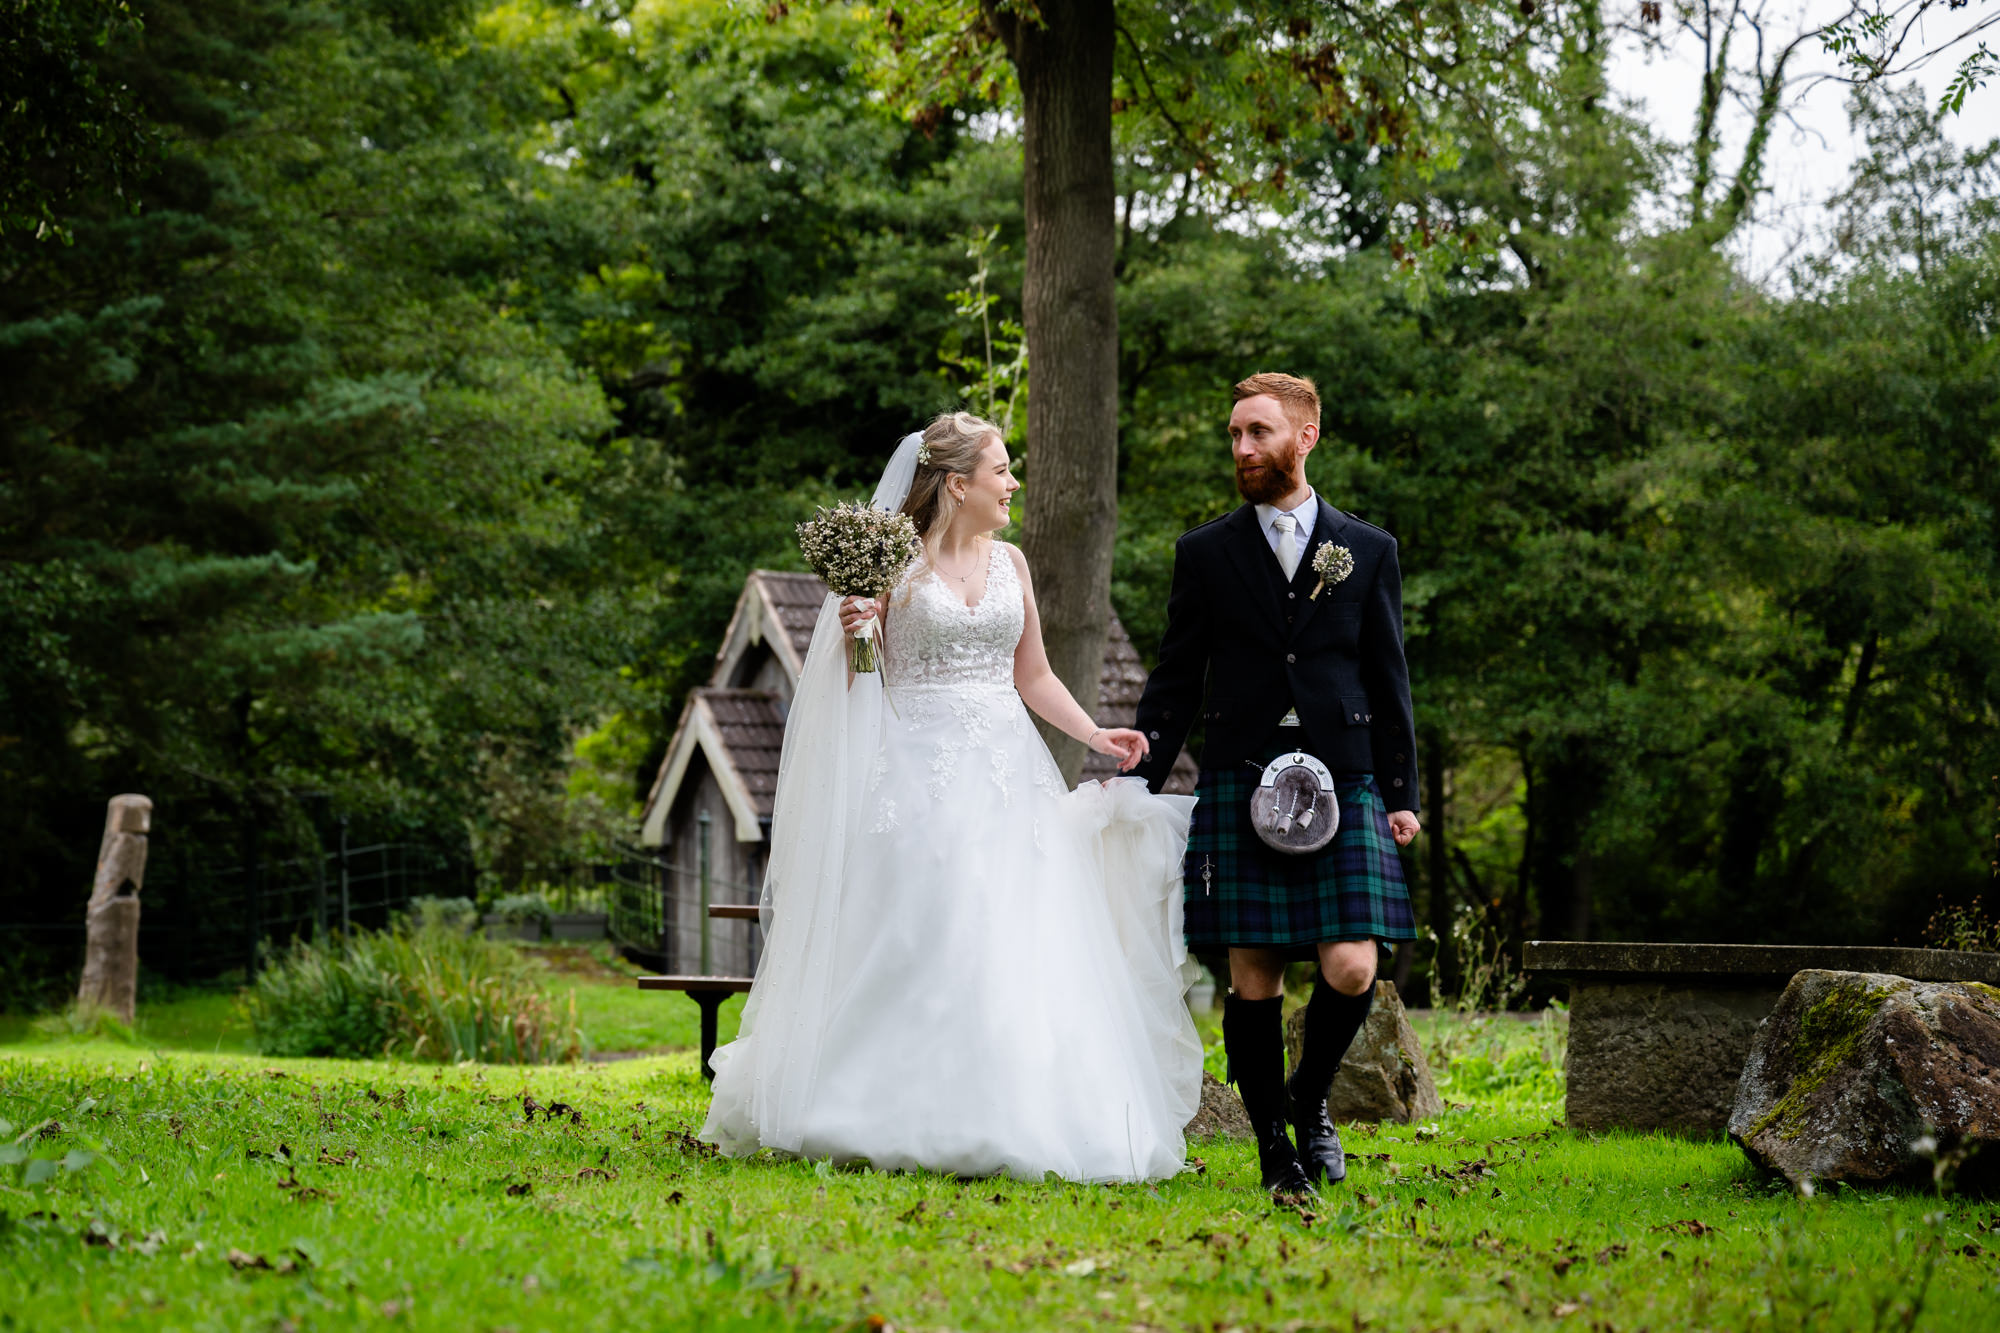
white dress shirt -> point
(1306, 511)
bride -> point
(967, 968)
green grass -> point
(416, 1196)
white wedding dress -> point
(971, 969)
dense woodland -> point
(393, 396)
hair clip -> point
(923, 455)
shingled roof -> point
(795, 600)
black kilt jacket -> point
(1243, 646)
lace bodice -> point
(934, 638)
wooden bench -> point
(708, 992)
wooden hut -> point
(709, 811)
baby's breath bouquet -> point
(859, 551)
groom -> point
(1269, 661)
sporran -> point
(1292, 807)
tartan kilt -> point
(1241, 892)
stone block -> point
(1652, 1056)
(579, 925)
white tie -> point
(1288, 547)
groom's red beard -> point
(1266, 481)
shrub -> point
(423, 992)
(520, 909)
(459, 914)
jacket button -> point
(1357, 717)
(1397, 783)
(1168, 715)
(1399, 759)
(1370, 717)
(1156, 735)
(1291, 657)
(1293, 596)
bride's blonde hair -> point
(953, 442)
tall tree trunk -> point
(1445, 980)
(1069, 305)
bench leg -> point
(710, 1002)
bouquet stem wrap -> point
(866, 654)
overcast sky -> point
(1810, 159)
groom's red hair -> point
(1298, 395)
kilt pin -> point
(1263, 664)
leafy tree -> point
(290, 503)
(1214, 90)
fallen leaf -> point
(516, 1191)
(1081, 1268)
(239, 1260)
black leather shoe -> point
(1282, 1173)
(1319, 1151)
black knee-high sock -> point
(1332, 1020)
(1253, 1035)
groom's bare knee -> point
(1348, 965)
(1256, 974)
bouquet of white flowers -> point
(859, 551)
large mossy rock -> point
(1384, 1076)
(1855, 1075)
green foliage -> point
(523, 908)
(422, 380)
(425, 993)
(67, 125)
(1968, 928)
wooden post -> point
(346, 926)
(111, 952)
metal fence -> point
(659, 913)
(206, 922)
(203, 921)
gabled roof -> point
(740, 733)
(776, 608)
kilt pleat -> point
(1241, 892)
